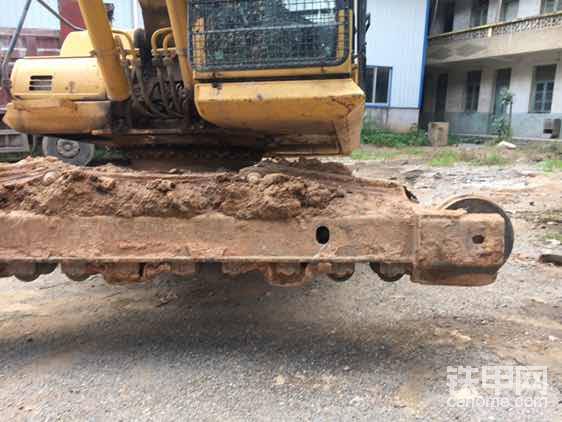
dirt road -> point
(217, 349)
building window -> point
(550, 6)
(510, 9)
(503, 80)
(441, 97)
(479, 14)
(449, 17)
(543, 89)
(377, 84)
(473, 80)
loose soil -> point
(270, 190)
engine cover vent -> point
(41, 83)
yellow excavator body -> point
(311, 105)
(234, 80)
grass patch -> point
(445, 158)
(552, 165)
(413, 151)
(384, 138)
(385, 154)
(12, 157)
(456, 140)
(437, 157)
(554, 236)
(450, 157)
(375, 155)
(491, 159)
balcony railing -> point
(533, 23)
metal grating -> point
(266, 34)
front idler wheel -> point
(479, 205)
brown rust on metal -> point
(289, 220)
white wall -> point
(396, 39)
(394, 119)
(487, 84)
(529, 8)
(521, 81)
(123, 17)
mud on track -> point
(270, 190)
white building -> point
(396, 44)
(479, 48)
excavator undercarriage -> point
(201, 94)
(290, 220)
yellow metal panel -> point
(76, 78)
(101, 37)
(55, 116)
(177, 11)
(77, 44)
(315, 107)
(343, 69)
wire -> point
(59, 16)
(4, 70)
(5, 82)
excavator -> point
(223, 108)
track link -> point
(291, 221)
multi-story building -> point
(481, 49)
(396, 44)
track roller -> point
(388, 272)
(26, 271)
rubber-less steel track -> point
(289, 220)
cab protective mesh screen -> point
(266, 34)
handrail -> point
(492, 26)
